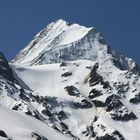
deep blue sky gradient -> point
(117, 20)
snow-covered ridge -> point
(55, 34)
(73, 33)
(61, 41)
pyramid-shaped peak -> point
(61, 41)
(56, 34)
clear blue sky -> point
(117, 20)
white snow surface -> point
(47, 80)
(19, 126)
(73, 33)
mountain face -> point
(67, 83)
(61, 41)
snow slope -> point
(48, 81)
(44, 78)
(18, 126)
(69, 86)
(73, 33)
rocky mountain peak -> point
(5, 70)
(61, 41)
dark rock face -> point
(122, 88)
(16, 107)
(117, 110)
(66, 74)
(136, 99)
(83, 104)
(73, 91)
(94, 93)
(95, 78)
(29, 111)
(125, 117)
(5, 70)
(62, 115)
(115, 135)
(24, 96)
(136, 69)
(118, 60)
(7, 81)
(98, 103)
(47, 112)
(113, 102)
(3, 134)
(63, 64)
(64, 126)
(118, 64)
(38, 136)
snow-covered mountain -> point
(67, 83)
(61, 41)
